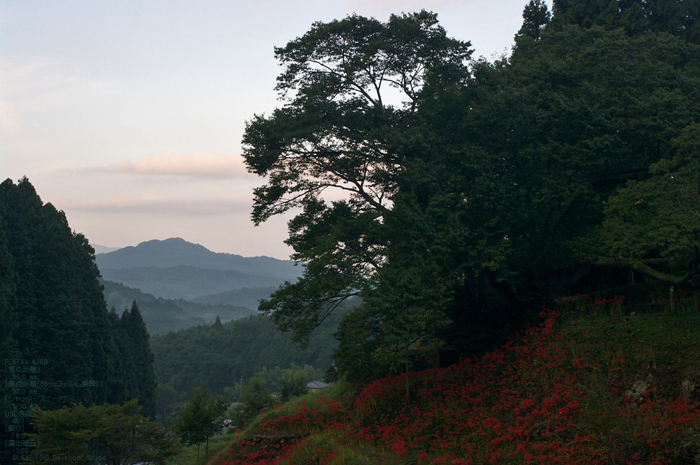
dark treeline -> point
(52, 308)
(496, 188)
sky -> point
(128, 114)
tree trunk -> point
(407, 393)
(672, 298)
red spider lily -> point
(523, 403)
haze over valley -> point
(179, 284)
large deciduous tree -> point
(349, 125)
(653, 225)
(467, 206)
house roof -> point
(316, 384)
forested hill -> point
(177, 269)
(53, 316)
(176, 251)
(220, 354)
(164, 315)
(187, 282)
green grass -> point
(662, 346)
(188, 454)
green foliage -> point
(134, 374)
(536, 16)
(164, 315)
(285, 382)
(135, 329)
(653, 225)
(677, 17)
(241, 349)
(110, 434)
(57, 311)
(188, 282)
(293, 385)
(585, 111)
(52, 309)
(255, 398)
(200, 417)
(491, 191)
(338, 131)
(559, 392)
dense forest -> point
(494, 188)
(53, 315)
(221, 355)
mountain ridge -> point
(177, 269)
(103, 248)
(177, 251)
(163, 315)
(186, 282)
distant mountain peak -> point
(177, 252)
(172, 241)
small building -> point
(316, 385)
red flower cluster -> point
(525, 403)
(280, 438)
(518, 404)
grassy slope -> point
(622, 389)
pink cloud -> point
(202, 164)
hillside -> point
(176, 251)
(578, 389)
(99, 249)
(247, 297)
(220, 355)
(177, 269)
(164, 315)
(56, 330)
(185, 282)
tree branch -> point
(638, 265)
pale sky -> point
(128, 115)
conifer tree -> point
(142, 358)
(52, 308)
(536, 16)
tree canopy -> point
(53, 312)
(109, 434)
(199, 419)
(677, 17)
(352, 89)
(477, 192)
